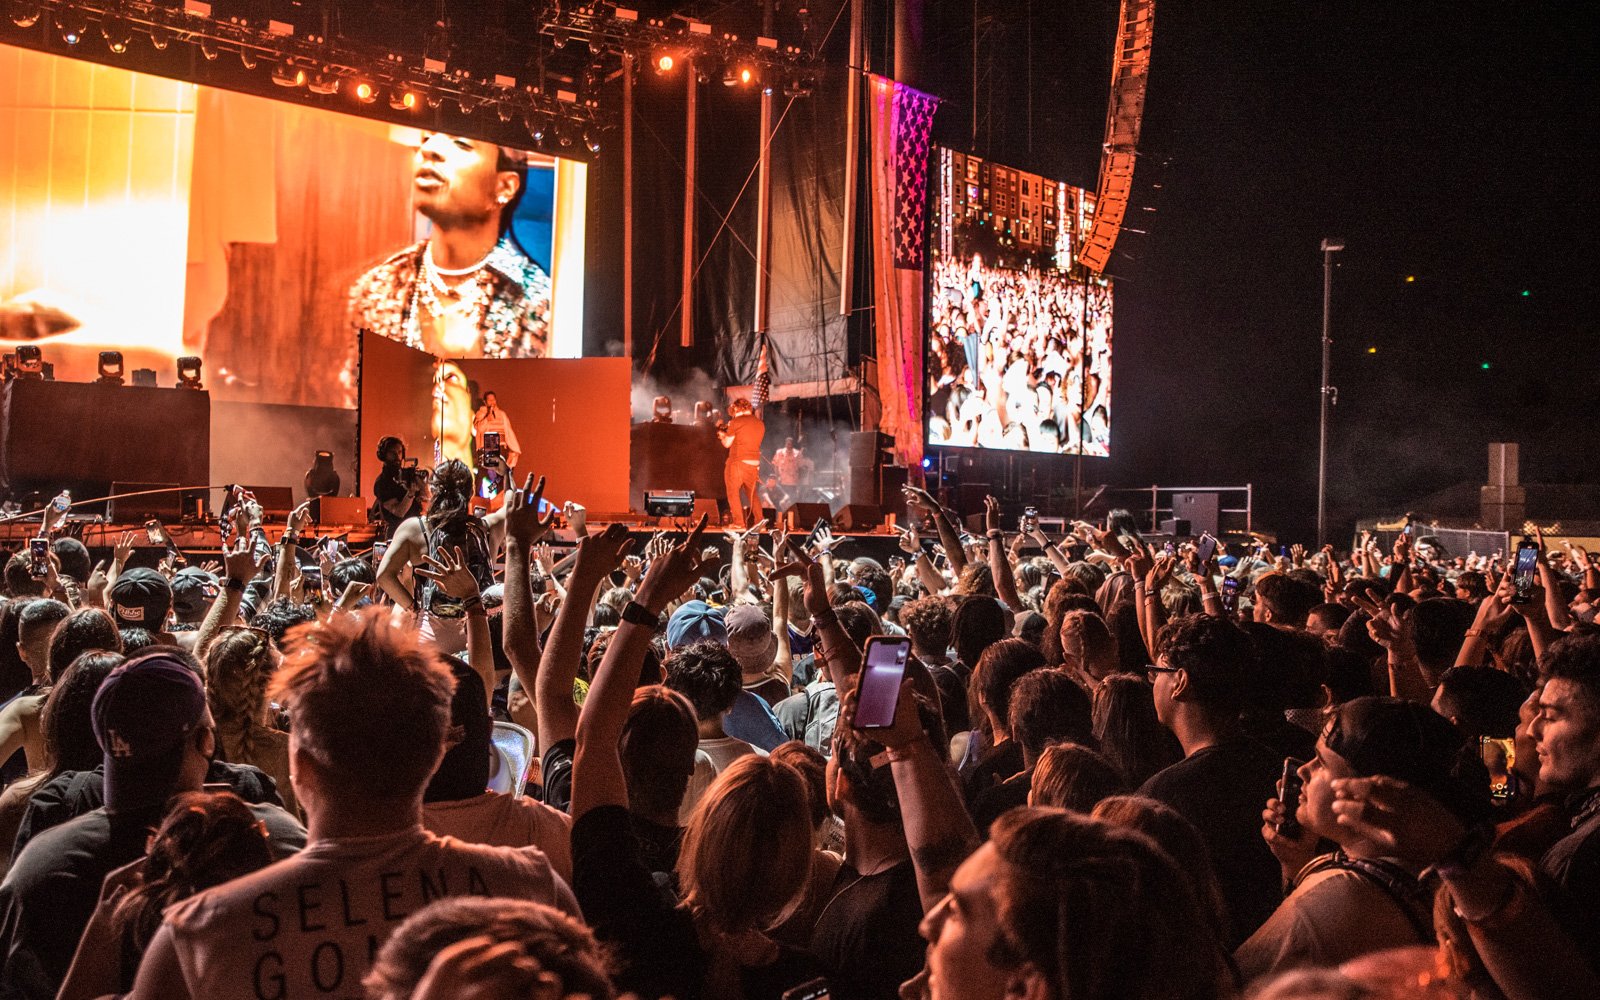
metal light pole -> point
(1329, 248)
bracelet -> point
(1511, 906)
(996, 535)
(824, 620)
(289, 538)
(905, 753)
(234, 583)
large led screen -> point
(1019, 338)
(161, 219)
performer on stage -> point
(742, 474)
(467, 291)
(490, 418)
(793, 469)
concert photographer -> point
(397, 491)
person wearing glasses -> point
(1200, 678)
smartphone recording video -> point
(1525, 576)
(883, 668)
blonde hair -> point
(239, 664)
(726, 883)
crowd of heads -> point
(639, 770)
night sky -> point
(1449, 142)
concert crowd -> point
(502, 760)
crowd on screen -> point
(499, 763)
(1007, 362)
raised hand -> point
(241, 563)
(1139, 563)
(123, 550)
(1160, 572)
(1297, 553)
(814, 594)
(300, 518)
(991, 514)
(577, 518)
(524, 525)
(602, 552)
(825, 540)
(354, 591)
(1405, 822)
(1293, 853)
(920, 498)
(449, 570)
(674, 572)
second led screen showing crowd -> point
(1019, 338)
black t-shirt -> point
(389, 487)
(1222, 790)
(1573, 863)
(73, 793)
(53, 887)
(996, 765)
(866, 934)
(555, 770)
(655, 941)
(995, 800)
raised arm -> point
(450, 572)
(404, 548)
(598, 556)
(239, 568)
(949, 537)
(1005, 584)
(524, 527)
(597, 778)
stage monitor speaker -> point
(804, 516)
(339, 510)
(869, 449)
(166, 506)
(1178, 527)
(669, 503)
(859, 517)
(277, 502)
(1199, 509)
(892, 479)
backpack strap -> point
(1407, 893)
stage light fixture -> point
(189, 372)
(665, 62)
(208, 49)
(466, 105)
(592, 141)
(248, 59)
(323, 84)
(504, 110)
(30, 361)
(26, 15)
(365, 92)
(111, 370)
(117, 34)
(558, 37)
(536, 127)
(71, 26)
(565, 137)
(287, 74)
(159, 40)
(403, 100)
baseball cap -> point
(143, 715)
(141, 597)
(464, 771)
(1401, 739)
(193, 590)
(694, 621)
(747, 621)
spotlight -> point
(30, 361)
(665, 62)
(287, 74)
(466, 105)
(504, 110)
(741, 76)
(365, 93)
(592, 141)
(117, 34)
(535, 126)
(558, 37)
(209, 50)
(800, 86)
(747, 76)
(71, 26)
(403, 100)
(248, 59)
(110, 368)
(159, 40)
(566, 137)
(323, 84)
(26, 15)
(322, 479)
(596, 46)
(189, 372)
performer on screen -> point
(741, 474)
(467, 291)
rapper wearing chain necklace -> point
(468, 299)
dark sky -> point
(1445, 141)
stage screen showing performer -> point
(1019, 338)
(161, 219)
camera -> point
(411, 475)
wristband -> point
(289, 538)
(824, 620)
(996, 535)
(1468, 851)
(234, 584)
(474, 606)
(635, 613)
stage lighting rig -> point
(664, 63)
(592, 141)
(323, 84)
(25, 15)
(365, 92)
(71, 26)
(30, 361)
(110, 367)
(403, 100)
(189, 372)
(117, 34)
(287, 74)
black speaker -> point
(1178, 527)
(891, 480)
(804, 516)
(277, 502)
(1199, 509)
(869, 449)
(859, 517)
(166, 506)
